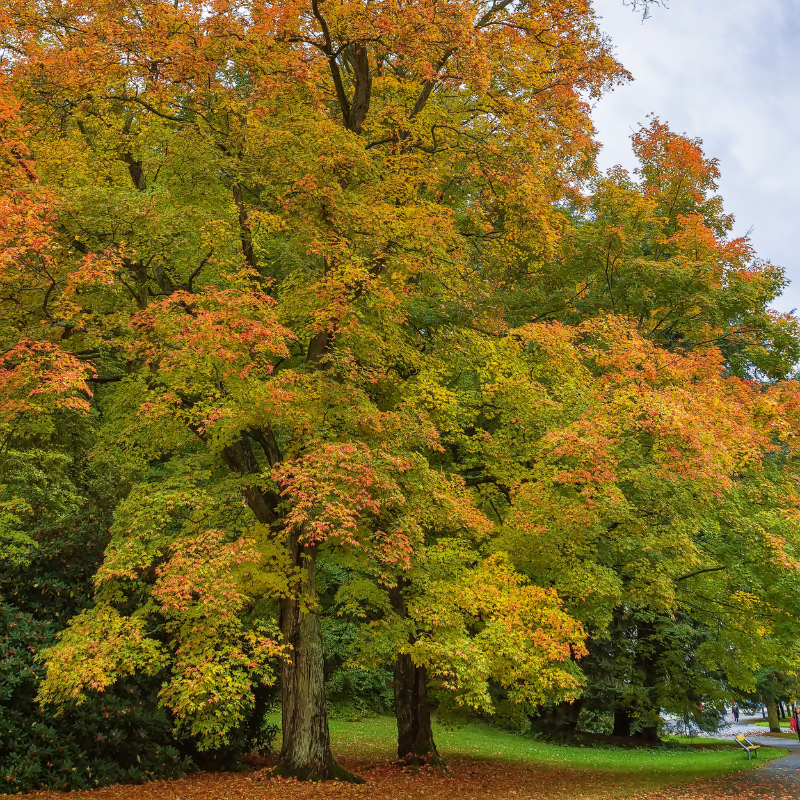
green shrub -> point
(592, 720)
(120, 736)
(352, 692)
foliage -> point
(338, 290)
(237, 262)
(654, 248)
(116, 738)
(353, 691)
(120, 736)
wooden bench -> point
(752, 749)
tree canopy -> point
(343, 309)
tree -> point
(458, 622)
(656, 251)
(655, 248)
(238, 258)
(649, 486)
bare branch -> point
(645, 6)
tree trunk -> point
(566, 716)
(772, 716)
(622, 723)
(306, 751)
(560, 720)
(415, 745)
(649, 651)
(648, 734)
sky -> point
(728, 72)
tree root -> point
(331, 772)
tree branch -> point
(699, 572)
(431, 85)
(333, 66)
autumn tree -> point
(647, 485)
(327, 280)
(655, 247)
(258, 215)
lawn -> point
(785, 723)
(485, 764)
(679, 762)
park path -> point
(783, 772)
(776, 780)
(781, 776)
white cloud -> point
(727, 71)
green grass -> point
(679, 762)
(704, 740)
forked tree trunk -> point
(415, 745)
(306, 751)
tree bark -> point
(566, 717)
(415, 745)
(622, 723)
(648, 734)
(772, 716)
(306, 750)
(560, 720)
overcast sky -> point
(727, 71)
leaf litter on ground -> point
(467, 779)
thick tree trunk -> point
(622, 723)
(772, 716)
(566, 716)
(649, 734)
(559, 720)
(306, 751)
(415, 745)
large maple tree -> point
(240, 224)
(323, 277)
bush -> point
(116, 737)
(119, 736)
(352, 692)
(592, 720)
